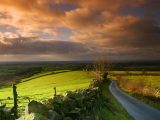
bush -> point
(5, 114)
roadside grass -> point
(152, 81)
(41, 88)
(152, 101)
(144, 87)
(114, 111)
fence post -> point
(55, 91)
(15, 111)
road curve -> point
(137, 109)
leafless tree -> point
(101, 68)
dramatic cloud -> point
(29, 45)
(80, 29)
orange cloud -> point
(29, 15)
(82, 18)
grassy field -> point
(14, 72)
(152, 78)
(152, 81)
(40, 87)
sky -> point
(62, 30)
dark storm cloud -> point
(143, 33)
(22, 45)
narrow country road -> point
(137, 109)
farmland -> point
(150, 78)
(37, 82)
(41, 88)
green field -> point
(152, 78)
(152, 81)
(40, 87)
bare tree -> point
(101, 68)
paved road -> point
(137, 109)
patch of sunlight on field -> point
(43, 74)
(41, 88)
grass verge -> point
(152, 101)
(114, 111)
